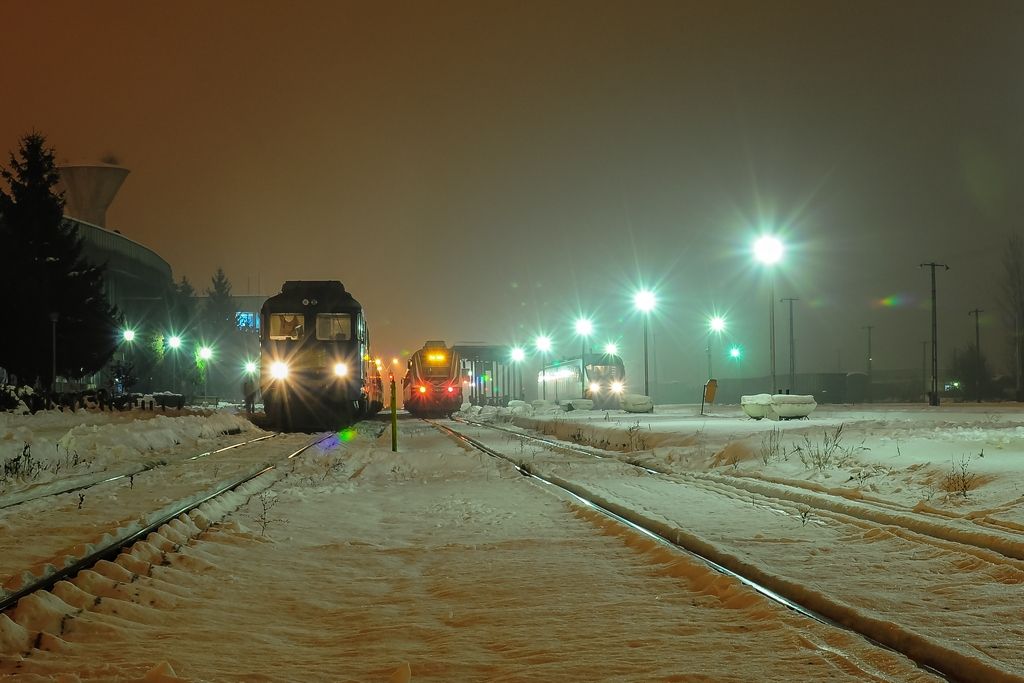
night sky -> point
(484, 171)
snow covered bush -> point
(12, 399)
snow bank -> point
(51, 445)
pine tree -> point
(219, 314)
(44, 277)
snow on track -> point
(433, 564)
(959, 606)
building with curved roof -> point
(136, 276)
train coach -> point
(432, 384)
(316, 368)
(600, 377)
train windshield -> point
(334, 326)
(604, 373)
(287, 326)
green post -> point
(394, 418)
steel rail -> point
(563, 489)
(111, 550)
(147, 468)
(876, 513)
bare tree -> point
(1011, 284)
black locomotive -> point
(316, 367)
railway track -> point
(898, 632)
(989, 538)
(131, 525)
(86, 482)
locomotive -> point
(604, 383)
(432, 384)
(316, 369)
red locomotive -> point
(432, 384)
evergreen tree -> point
(43, 277)
(181, 307)
(219, 314)
(220, 330)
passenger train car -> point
(316, 369)
(604, 382)
(432, 384)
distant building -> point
(136, 276)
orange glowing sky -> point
(485, 170)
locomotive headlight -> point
(279, 370)
(594, 387)
(617, 387)
(340, 369)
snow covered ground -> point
(442, 564)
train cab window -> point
(334, 326)
(287, 326)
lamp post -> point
(174, 341)
(518, 355)
(715, 325)
(870, 359)
(543, 344)
(768, 250)
(792, 352)
(644, 300)
(933, 395)
(206, 353)
(583, 328)
(977, 352)
(127, 336)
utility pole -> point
(924, 366)
(933, 398)
(869, 328)
(792, 352)
(977, 352)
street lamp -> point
(127, 336)
(715, 325)
(206, 353)
(518, 355)
(583, 328)
(768, 250)
(644, 300)
(611, 349)
(543, 344)
(735, 353)
(174, 341)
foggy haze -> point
(488, 171)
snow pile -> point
(13, 399)
(50, 445)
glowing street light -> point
(768, 250)
(716, 325)
(583, 328)
(174, 342)
(735, 353)
(128, 335)
(611, 349)
(518, 355)
(645, 301)
(543, 344)
(206, 353)
(250, 367)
